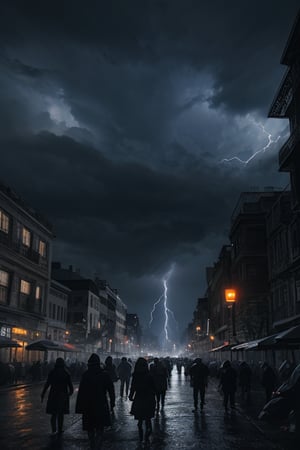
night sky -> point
(115, 118)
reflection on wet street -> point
(25, 425)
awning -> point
(221, 348)
(5, 342)
(257, 344)
(290, 336)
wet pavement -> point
(24, 424)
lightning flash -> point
(262, 150)
(164, 297)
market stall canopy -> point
(5, 342)
(43, 345)
(291, 336)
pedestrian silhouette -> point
(160, 376)
(199, 376)
(269, 380)
(124, 373)
(92, 400)
(228, 384)
(61, 388)
(245, 375)
(142, 394)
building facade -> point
(25, 261)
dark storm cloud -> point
(127, 209)
(120, 113)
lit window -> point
(26, 237)
(4, 222)
(4, 282)
(25, 287)
(42, 248)
(38, 292)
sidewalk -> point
(21, 385)
(273, 431)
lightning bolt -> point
(164, 297)
(262, 150)
(153, 309)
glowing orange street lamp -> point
(230, 295)
(198, 328)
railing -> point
(288, 148)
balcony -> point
(288, 151)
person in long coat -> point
(199, 377)
(228, 383)
(160, 376)
(142, 394)
(61, 388)
(124, 373)
(92, 400)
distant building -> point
(114, 324)
(249, 264)
(25, 260)
(57, 312)
(133, 333)
(83, 315)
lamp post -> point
(212, 338)
(230, 298)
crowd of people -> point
(145, 384)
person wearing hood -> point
(92, 400)
(228, 383)
(61, 388)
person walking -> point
(244, 376)
(160, 376)
(228, 384)
(269, 380)
(61, 388)
(142, 395)
(124, 374)
(199, 377)
(92, 400)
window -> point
(26, 237)
(38, 293)
(42, 248)
(4, 283)
(25, 287)
(4, 222)
(54, 311)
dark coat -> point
(92, 400)
(142, 392)
(199, 374)
(124, 370)
(228, 379)
(160, 376)
(61, 388)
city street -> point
(24, 424)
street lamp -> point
(212, 338)
(230, 298)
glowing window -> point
(42, 248)
(38, 292)
(4, 282)
(25, 287)
(4, 222)
(26, 237)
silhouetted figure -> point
(92, 400)
(142, 393)
(245, 374)
(228, 383)
(61, 388)
(269, 380)
(160, 376)
(124, 373)
(199, 376)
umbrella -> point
(5, 342)
(292, 335)
(43, 345)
